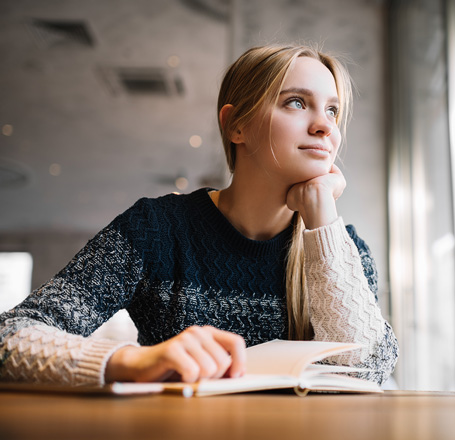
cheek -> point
(335, 139)
(284, 133)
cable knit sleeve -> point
(45, 339)
(341, 281)
(44, 354)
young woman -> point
(204, 274)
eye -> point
(333, 111)
(296, 103)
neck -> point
(255, 209)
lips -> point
(319, 147)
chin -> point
(317, 172)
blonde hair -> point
(252, 82)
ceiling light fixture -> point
(181, 183)
(55, 169)
(7, 130)
(173, 61)
(195, 141)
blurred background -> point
(105, 102)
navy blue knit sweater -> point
(173, 262)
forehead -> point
(310, 73)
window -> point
(15, 278)
(421, 205)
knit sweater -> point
(176, 261)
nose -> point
(320, 125)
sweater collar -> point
(218, 222)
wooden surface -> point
(393, 415)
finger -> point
(201, 352)
(340, 183)
(179, 360)
(218, 353)
(335, 169)
(211, 358)
(235, 346)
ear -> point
(236, 135)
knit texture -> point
(342, 308)
(47, 355)
(176, 261)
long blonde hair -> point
(252, 82)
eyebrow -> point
(306, 92)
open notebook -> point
(282, 364)
(276, 364)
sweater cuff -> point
(322, 242)
(91, 367)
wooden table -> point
(393, 415)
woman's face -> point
(297, 139)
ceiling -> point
(100, 100)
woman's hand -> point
(315, 198)
(196, 353)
